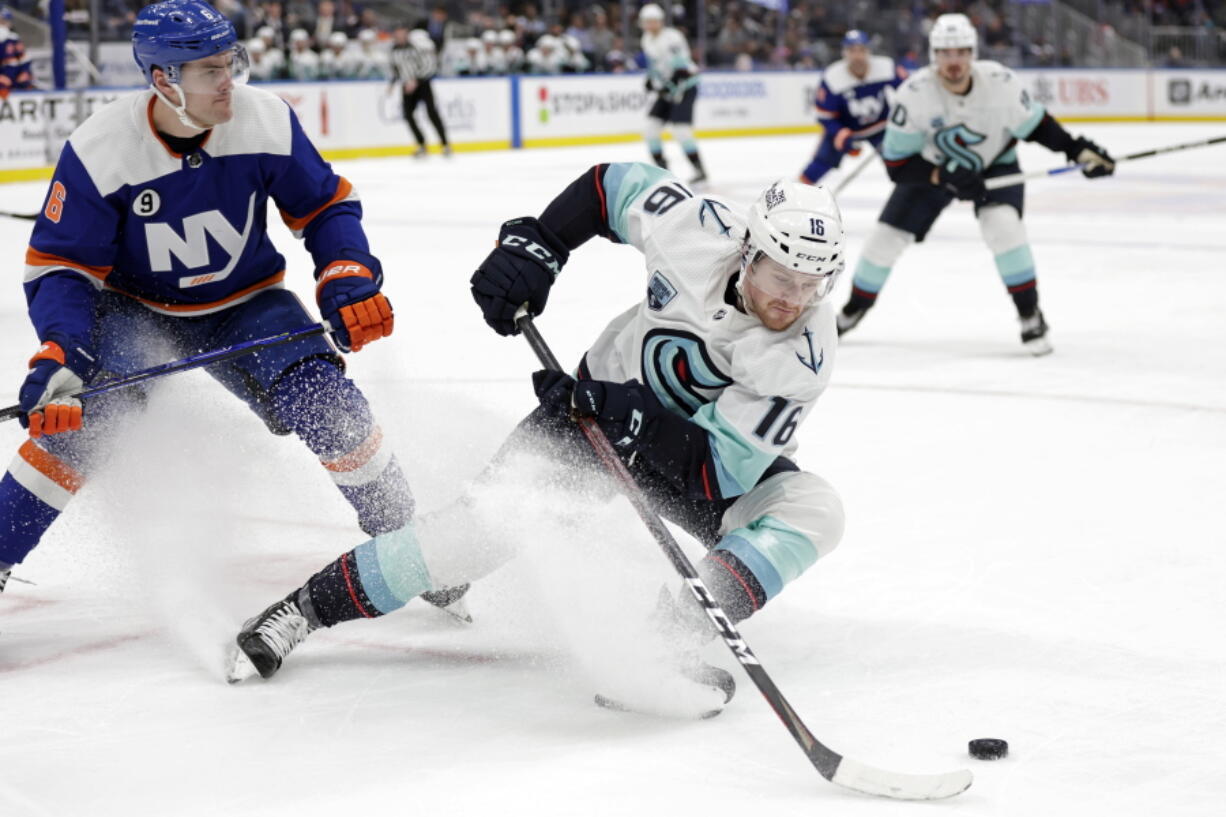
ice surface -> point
(1034, 548)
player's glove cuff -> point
(350, 300)
(1096, 160)
(962, 182)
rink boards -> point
(363, 118)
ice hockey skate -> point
(4, 577)
(673, 680)
(1034, 334)
(688, 689)
(451, 601)
(267, 639)
(847, 321)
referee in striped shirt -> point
(414, 64)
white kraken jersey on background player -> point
(977, 129)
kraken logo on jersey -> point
(192, 249)
(676, 365)
(955, 142)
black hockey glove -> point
(520, 270)
(1097, 161)
(553, 389)
(620, 409)
(962, 183)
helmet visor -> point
(778, 283)
(217, 73)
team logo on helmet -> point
(774, 197)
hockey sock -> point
(695, 160)
(36, 488)
(657, 156)
(1016, 268)
(733, 584)
(860, 301)
(1026, 298)
(323, 407)
(375, 578)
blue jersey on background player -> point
(154, 237)
(852, 104)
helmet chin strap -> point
(180, 109)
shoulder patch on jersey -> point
(811, 361)
(710, 216)
(660, 292)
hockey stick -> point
(855, 171)
(23, 216)
(189, 362)
(829, 763)
(1018, 178)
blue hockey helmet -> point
(173, 32)
(855, 37)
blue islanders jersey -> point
(14, 65)
(846, 101)
(183, 235)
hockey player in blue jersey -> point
(153, 235)
(852, 104)
(15, 74)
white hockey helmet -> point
(952, 31)
(799, 227)
(256, 46)
(489, 36)
(367, 35)
(651, 11)
(547, 41)
(338, 39)
(507, 37)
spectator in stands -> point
(616, 60)
(326, 22)
(303, 62)
(340, 60)
(265, 64)
(15, 72)
(374, 58)
(1174, 58)
(509, 40)
(601, 36)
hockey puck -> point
(988, 748)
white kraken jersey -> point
(666, 53)
(748, 386)
(976, 130)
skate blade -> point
(1039, 347)
(239, 667)
(618, 706)
(458, 610)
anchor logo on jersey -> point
(815, 361)
(676, 365)
(955, 142)
(711, 206)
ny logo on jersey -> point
(956, 141)
(192, 248)
(865, 108)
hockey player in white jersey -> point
(673, 75)
(701, 386)
(954, 124)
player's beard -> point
(776, 314)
